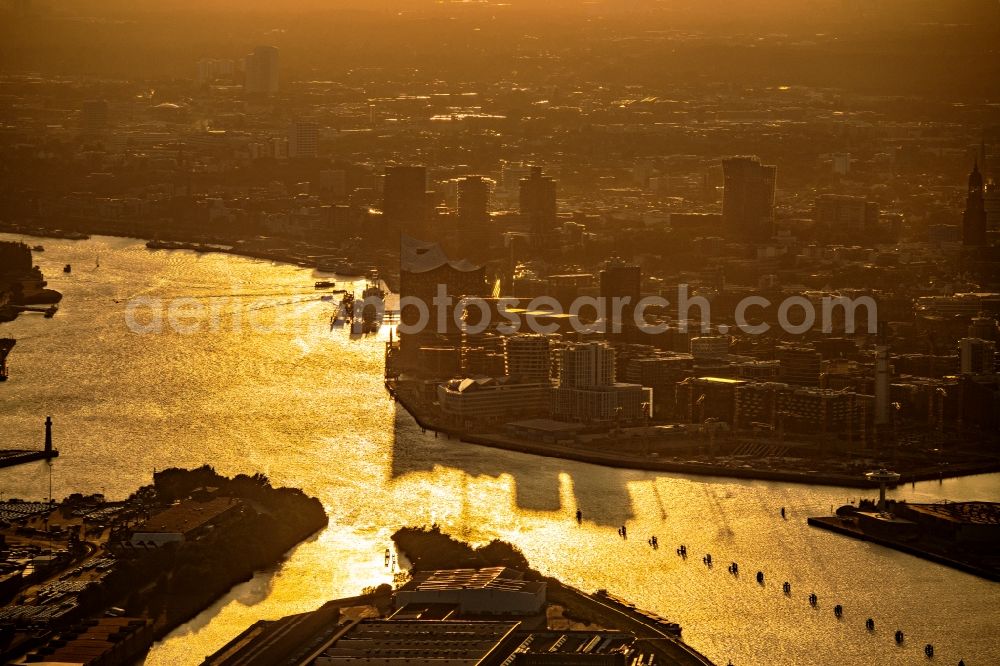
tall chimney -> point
(48, 435)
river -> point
(252, 378)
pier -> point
(12, 457)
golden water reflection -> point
(306, 406)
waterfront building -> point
(748, 198)
(528, 356)
(425, 270)
(493, 399)
(586, 365)
(784, 407)
(587, 390)
(183, 521)
(701, 398)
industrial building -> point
(492, 591)
(184, 521)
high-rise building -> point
(405, 203)
(587, 390)
(977, 357)
(474, 193)
(748, 198)
(621, 280)
(303, 139)
(528, 356)
(538, 203)
(586, 365)
(846, 216)
(261, 71)
(974, 219)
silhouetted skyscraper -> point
(620, 280)
(262, 71)
(748, 198)
(538, 203)
(404, 198)
(974, 219)
(474, 194)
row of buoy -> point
(786, 587)
(733, 568)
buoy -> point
(899, 635)
(870, 623)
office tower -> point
(974, 219)
(405, 203)
(528, 356)
(474, 194)
(93, 116)
(748, 198)
(538, 203)
(303, 139)
(799, 365)
(847, 216)
(621, 280)
(262, 71)
(977, 357)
